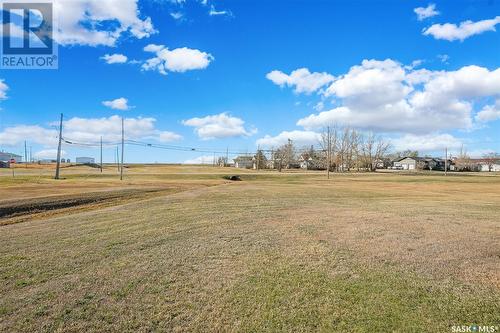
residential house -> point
(486, 164)
(308, 162)
(8, 157)
(244, 162)
(421, 163)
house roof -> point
(243, 158)
(8, 156)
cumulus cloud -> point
(385, 96)
(177, 60)
(299, 138)
(97, 22)
(219, 126)
(3, 89)
(118, 104)
(426, 12)
(48, 154)
(207, 159)
(87, 130)
(464, 30)
(15, 135)
(302, 79)
(115, 58)
(426, 143)
(489, 113)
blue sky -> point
(240, 74)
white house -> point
(490, 166)
(6, 157)
(243, 162)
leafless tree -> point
(328, 143)
(491, 159)
(374, 150)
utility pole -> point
(257, 158)
(446, 161)
(25, 154)
(272, 158)
(31, 154)
(117, 158)
(227, 157)
(58, 165)
(328, 155)
(123, 147)
(101, 154)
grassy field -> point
(274, 252)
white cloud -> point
(489, 113)
(115, 58)
(466, 29)
(207, 159)
(303, 80)
(426, 143)
(118, 104)
(3, 89)
(299, 138)
(218, 126)
(48, 154)
(384, 96)
(319, 106)
(176, 60)
(166, 136)
(15, 135)
(444, 58)
(177, 15)
(426, 12)
(87, 130)
(97, 22)
(214, 12)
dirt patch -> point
(19, 211)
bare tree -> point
(374, 149)
(328, 145)
(491, 159)
(463, 161)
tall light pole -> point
(101, 154)
(446, 161)
(123, 147)
(58, 165)
(328, 155)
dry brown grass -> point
(275, 252)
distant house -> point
(85, 160)
(383, 163)
(244, 162)
(8, 157)
(310, 162)
(421, 163)
(406, 163)
(486, 165)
